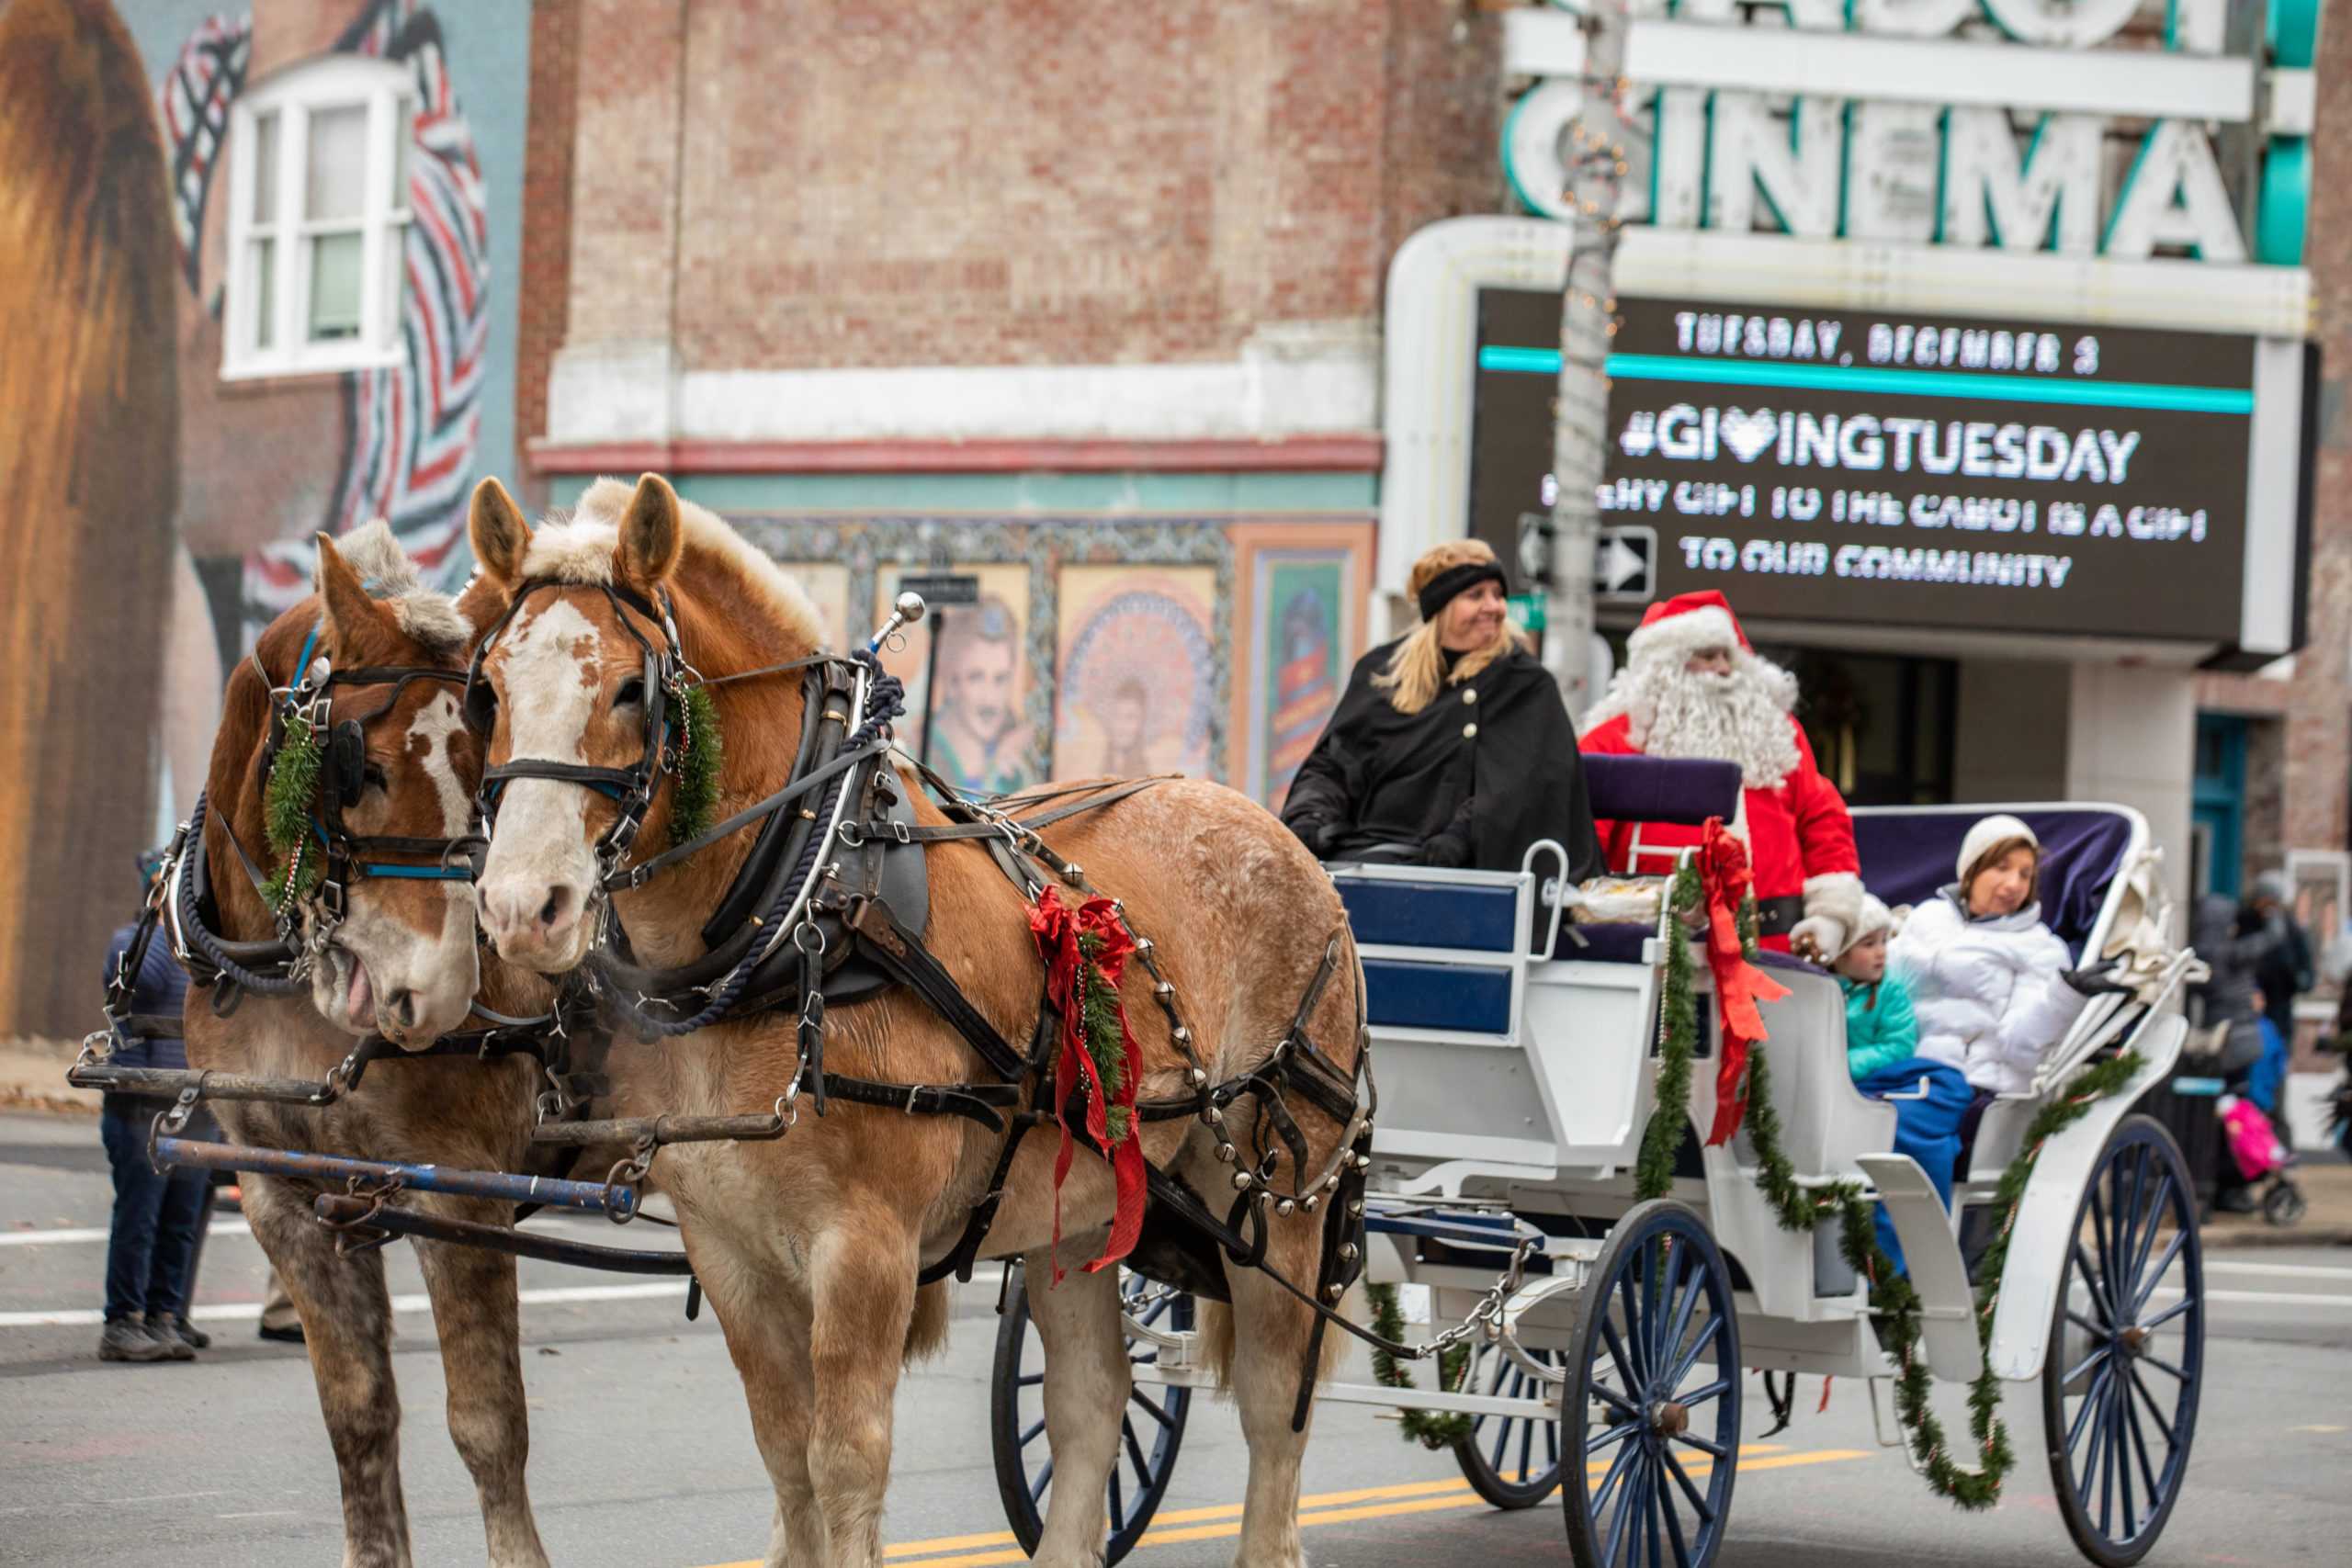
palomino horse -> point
(809, 1248)
(398, 963)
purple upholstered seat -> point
(1661, 789)
(1909, 854)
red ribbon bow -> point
(1725, 878)
(1058, 930)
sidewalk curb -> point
(2235, 1237)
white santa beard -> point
(1738, 719)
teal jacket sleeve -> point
(1887, 1034)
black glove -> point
(1315, 832)
(1448, 850)
(2094, 982)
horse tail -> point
(927, 1328)
(1213, 1323)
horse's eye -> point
(631, 694)
(373, 777)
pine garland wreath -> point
(1432, 1429)
(288, 799)
(1801, 1210)
(1677, 1043)
(696, 796)
(1099, 1031)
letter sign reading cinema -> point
(1902, 470)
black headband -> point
(1457, 580)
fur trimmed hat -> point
(1685, 624)
(1876, 919)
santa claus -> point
(1694, 687)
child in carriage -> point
(1882, 1053)
(1988, 980)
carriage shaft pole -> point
(616, 1202)
(339, 1210)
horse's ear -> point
(653, 533)
(501, 538)
(360, 625)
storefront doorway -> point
(1881, 726)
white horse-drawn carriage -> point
(1606, 1335)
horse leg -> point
(347, 1325)
(1087, 1382)
(475, 1311)
(767, 1337)
(863, 1277)
(1270, 1332)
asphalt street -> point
(641, 1452)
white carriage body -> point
(1533, 1091)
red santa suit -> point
(1800, 836)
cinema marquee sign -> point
(2027, 124)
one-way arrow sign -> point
(1624, 563)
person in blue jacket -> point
(151, 1245)
(1882, 1053)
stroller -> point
(2261, 1156)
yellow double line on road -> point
(1173, 1526)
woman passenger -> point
(1451, 746)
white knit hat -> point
(1985, 833)
(1876, 918)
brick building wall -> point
(550, 147)
(1047, 181)
(2315, 759)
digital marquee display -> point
(1897, 469)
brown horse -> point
(810, 1247)
(401, 963)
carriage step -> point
(362, 1213)
(616, 1202)
(1465, 1231)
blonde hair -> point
(1417, 669)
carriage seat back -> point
(1685, 790)
(1909, 855)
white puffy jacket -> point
(1986, 991)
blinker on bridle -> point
(306, 737)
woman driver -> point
(1451, 746)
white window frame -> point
(337, 81)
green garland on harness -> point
(1801, 1210)
(287, 798)
(1099, 1032)
(699, 760)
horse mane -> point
(579, 549)
(432, 620)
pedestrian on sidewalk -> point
(151, 1242)
(2234, 941)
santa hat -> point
(1685, 624)
(1997, 829)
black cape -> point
(1378, 776)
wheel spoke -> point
(1670, 1353)
(1650, 1490)
(2105, 1239)
(2163, 1366)
(2153, 1411)
(1617, 1353)
(1502, 1443)
(1682, 1479)
(1698, 1347)
(1637, 1363)
(2089, 1483)
(2086, 1324)
(2157, 1210)
(1154, 1411)
(1611, 1396)
(1030, 1436)
(2150, 1279)
(2107, 1469)
(1672, 1279)
(1616, 1434)
(1599, 1502)
(1713, 1450)
(1118, 1505)
(1673, 1526)
(2127, 1232)
(2090, 1404)
(1526, 1449)
(2095, 1283)
(1135, 1453)
(2140, 1446)
(2171, 1311)
(1032, 1381)
(1721, 1385)
(2093, 1359)
(1044, 1479)
(2118, 1406)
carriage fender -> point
(2046, 1215)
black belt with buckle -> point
(1779, 916)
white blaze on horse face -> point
(382, 972)
(542, 865)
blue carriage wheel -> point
(2126, 1358)
(1149, 1433)
(1512, 1461)
(1651, 1406)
